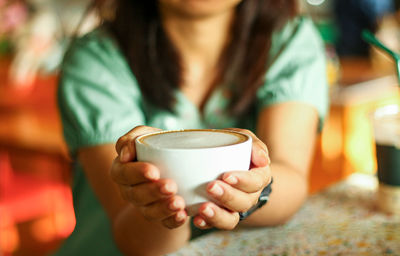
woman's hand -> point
(139, 183)
(235, 191)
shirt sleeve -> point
(298, 70)
(98, 96)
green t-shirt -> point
(100, 100)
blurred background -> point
(36, 211)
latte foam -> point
(193, 139)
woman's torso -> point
(99, 101)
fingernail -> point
(175, 205)
(124, 154)
(217, 190)
(152, 174)
(262, 153)
(208, 212)
(167, 188)
(231, 180)
(180, 216)
(201, 223)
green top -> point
(99, 100)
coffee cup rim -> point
(137, 140)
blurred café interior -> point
(36, 212)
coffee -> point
(193, 139)
(193, 158)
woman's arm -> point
(133, 234)
(289, 130)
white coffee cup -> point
(193, 158)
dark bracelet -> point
(262, 200)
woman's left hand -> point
(235, 191)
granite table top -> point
(341, 220)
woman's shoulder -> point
(297, 32)
(99, 36)
(97, 45)
(96, 57)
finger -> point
(259, 152)
(149, 192)
(231, 198)
(133, 173)
(210, 215)
(163, 209)
(175, 220)
(201, 223)
(249, 181)
(125, 145)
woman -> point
(174, 64)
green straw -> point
(370, 38)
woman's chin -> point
(199, 8)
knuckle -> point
(144, 167)
(156, 212)
(129, 135)
(258, 178)
(147, 213)
(135, 129)
(139, 127)
(252, 202)
(154, 192)
(247, 206)
(231, 225)
(165, 209)
(168, 223)
(134, 197)
(227, 198)
(121, 175)
(121, 140)
(265, 179)
(127, 194)
(260, 181)
(113, 171)
(116, 172)
(123, 193)
(171, 223)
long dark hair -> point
(155, 61)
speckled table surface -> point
(341, 220)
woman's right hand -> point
(140, 184)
